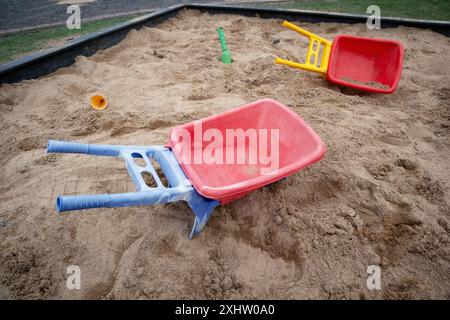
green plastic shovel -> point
(226, 55)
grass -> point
(18, 44)
(416, 9)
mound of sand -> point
(380, 196)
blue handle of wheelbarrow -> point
(68, 203)
(54, 146)
(179, 186)
(201, 206)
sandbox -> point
(379, 197)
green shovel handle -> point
(222, 38)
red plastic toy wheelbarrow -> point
(369, 64)
(208, 162)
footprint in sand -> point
(395, 141)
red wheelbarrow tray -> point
(299, 146)
(365, 60)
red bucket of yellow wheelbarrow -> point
(368, 64)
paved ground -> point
(18, 14)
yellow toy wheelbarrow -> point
(369, 64)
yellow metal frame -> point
(315, 42)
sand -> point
(379, 197)
(373, 84)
